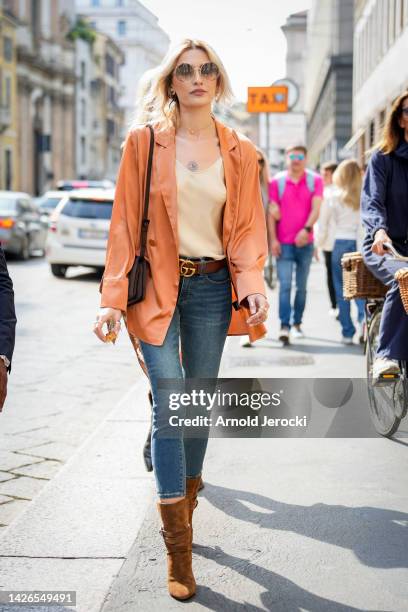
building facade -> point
(380, 67)
(85, 110)
(46, 92)
(9, 159)
(107, 115)
(329, 78)
(279, 130)
(136, 31)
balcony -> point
(5, 117)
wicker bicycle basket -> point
(358, 281)
(402, 277)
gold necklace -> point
(194, 131)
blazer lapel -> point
(166, 171)
(231, 160)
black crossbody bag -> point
(137, 276)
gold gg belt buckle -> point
(187, 267)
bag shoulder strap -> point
(281, 183)
(145, 220)
(310, 180)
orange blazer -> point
(243, 235)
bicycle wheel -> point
(387, 402)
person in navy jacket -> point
(7, 326)
(384, 212)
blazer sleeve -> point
(7, 311)
(120, 251)
(249, 247)
(373, 195)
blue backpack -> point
(281, 178)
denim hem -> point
(194, 476)
(166, 495)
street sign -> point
(268, 99)
(293, 91)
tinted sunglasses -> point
(261, 161)
(296, 156)
(404, 111)
(186, 72)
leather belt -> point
(189, 267)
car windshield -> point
(88, 209)
(7, 205)
(49, 203)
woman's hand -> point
(104, 315)
(380, 237)
(258, 307)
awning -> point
(354, 139)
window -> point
(7, 102)
(95, 3)
(371, 134)
(83, 152)
(122, 28)
(8, 48)
(83, 74)
(111, 95)
(120, 3)
(110, 64)
(8, 169)
(110, 129)
(88, 209)
(83, 113)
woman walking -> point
(342, 212)
(385, 216)
(206, 247)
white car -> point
(79, 228)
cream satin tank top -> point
(201, 197)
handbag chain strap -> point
(145, 220)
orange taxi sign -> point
(268, 99)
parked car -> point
(22, 227)
(48, 201)
(78, 184)
(78, 231)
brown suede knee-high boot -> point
(176, 532)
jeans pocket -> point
(219, 277)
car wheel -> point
(25, 249)
(59, 270)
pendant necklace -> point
(193, 164)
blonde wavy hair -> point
(154, 102)
(264, 171)
(347, 177)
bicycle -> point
(388, 397)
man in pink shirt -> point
(295, 196)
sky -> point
(246, 34)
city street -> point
(280, 525)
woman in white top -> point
(343, 213)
